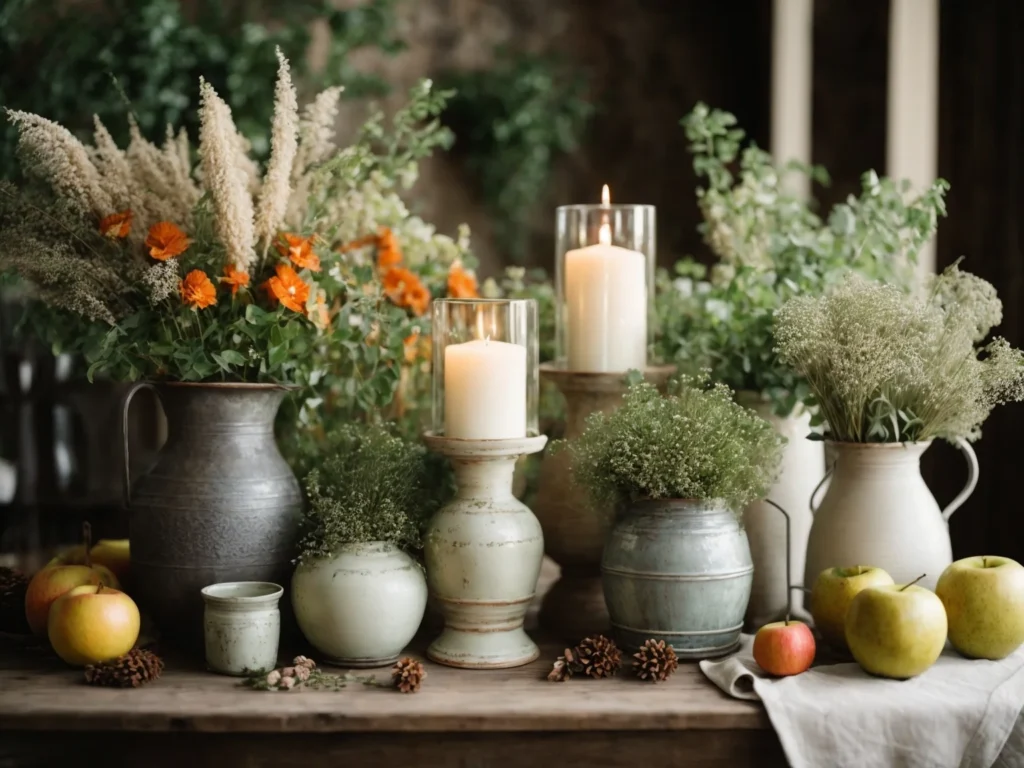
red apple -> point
(784, 648)
(52, 582)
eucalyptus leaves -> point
(772, 246)
(696, 443)
(884, 366)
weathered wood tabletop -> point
(458, 718)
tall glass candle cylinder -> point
(604, 273)
(485, 368)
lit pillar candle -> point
(485, 390)
(606, 305)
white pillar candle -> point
(485, 390)
(606, 306)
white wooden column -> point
(792, 47)
(912, 136)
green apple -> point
(896, 631)
(832, 594)
(984, 599)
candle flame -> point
(604, 232)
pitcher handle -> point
(972, 478)
(789, 574)
(821, 484)
(125, 407)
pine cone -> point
(135, 668)
(12, 602)
(598, 657)
(564, 667)
(407, 675)
(655, 661)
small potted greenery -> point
(358, 594)
(889, 372)
(680, 468)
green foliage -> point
(694, 443)
(370, 485)
(512, 122)
(887, 367)
(58, 59)
(772, 246)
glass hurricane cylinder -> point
(485, 380)
(604, 279)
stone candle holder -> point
(483, 553)
(574, 529)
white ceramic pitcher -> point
(878, 511)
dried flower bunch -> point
(371, 485)
(771, 246)
(594, 657)
(885, 366)
(156, 268)
(695, 443)
(304, 673)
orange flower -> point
(406, 290)
(196, 290)
(389, 254)
(300, 251)
(461, 284)
(116, 225)
(166, 241)
(236, 278)
(288, 289)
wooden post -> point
(792, 45)
(912, 138)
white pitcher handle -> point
(814, 503)
(972, 478)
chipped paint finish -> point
(574, 529)
(361, 607)
(483, 553)
(242, 626)
(678, 570)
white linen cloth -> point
(961, 713)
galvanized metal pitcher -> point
(678, 570)
(221, 504)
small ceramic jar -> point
(242, 626)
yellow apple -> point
(832, 594)
(896, 631)
(93, 623)
(114, 554)
(52, 582)
(984, 599)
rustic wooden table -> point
(458, 718)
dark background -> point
(649, 61)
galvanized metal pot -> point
(220, 504)
(678, 570)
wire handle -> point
(125, 409)
(789, 575)
(814, 503)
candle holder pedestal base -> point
(574, 529)
(483, 552)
